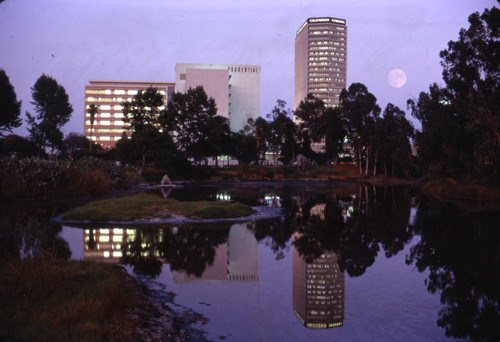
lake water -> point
(335, 262)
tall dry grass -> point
(51, 300)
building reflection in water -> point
(318, 291)
(104, 244)
(235, 260)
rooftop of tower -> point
(321, 20)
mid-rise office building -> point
(235, 88)
(108, 96)
(321, 60)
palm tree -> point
(92, 110)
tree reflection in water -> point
(461, 250)
(189, 249)
(26, 231)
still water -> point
(336, 262)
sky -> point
(75, 41)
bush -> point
(37, 178)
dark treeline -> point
(460, 134)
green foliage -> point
(10, 108)
(192, 119)
(472, 76)
(360, 110)
(283, 135)
(331, 127)
(143, 112)
(150, 206)
(308, 112)
(53, 111)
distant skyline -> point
(131, 40)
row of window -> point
(105, 138)
(110, 92)
(329, 33)
(326, 63)
(316, 42)
(106, 123)
(326, 79)
(115, 92)
(106, 130)
(107, 115)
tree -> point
(471, 72)
(309, 111)
(360, 108)
(444, 145)
(331, 127)
(191, 118)
(261, 130)
(392, 134)
(92, 111)
(10, 108)
(282, 138)
(143, 115)
(53, 111)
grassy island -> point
(144, 206)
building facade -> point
(321, 60)
(235, 88)
(108, 96)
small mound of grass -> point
(145, 206)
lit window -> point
(104, 238)
(118, 107)
(132, 92)
(104, 138)
(105, 122)
(105, 107)
(119, 92)
(105, 115)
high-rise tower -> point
(321, 60)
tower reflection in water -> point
(318, 291)
(235, 260)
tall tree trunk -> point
(359, 161)
(143, 157)
(375, 165)
(367, 159)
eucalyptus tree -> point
(331, 127)
(360, 110)
(445, 146)
(472, 75)
(53, 111)
(392, 146)
(10, 108)
(282, 139)
(308, 112)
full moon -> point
(397, 78)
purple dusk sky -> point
(75, 41)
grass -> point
(52, 300)
(143, 206)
